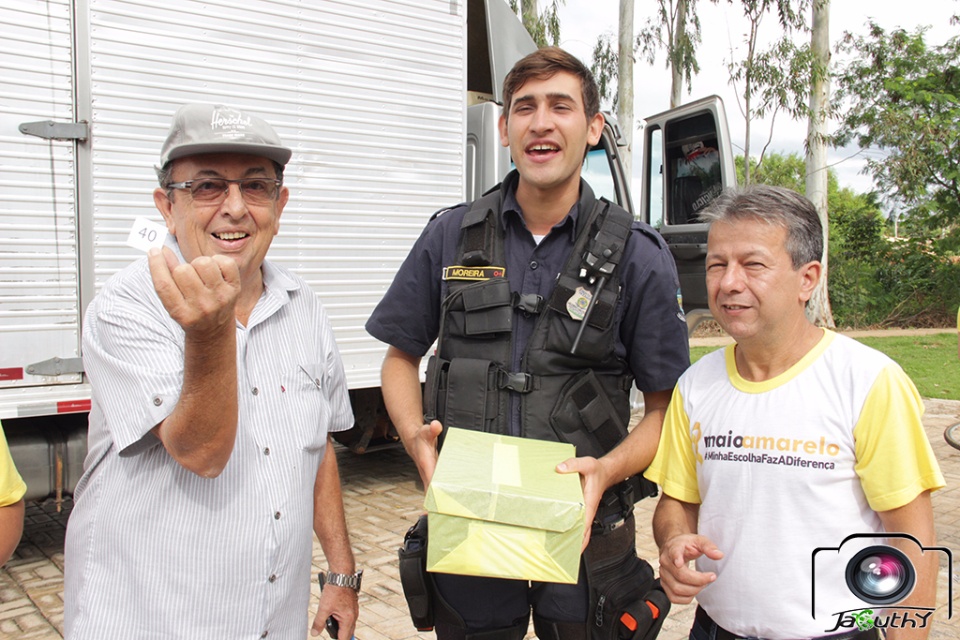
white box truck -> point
(390, 107)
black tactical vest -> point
(580, 395)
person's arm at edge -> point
(11, 528)
(916, 519)
(330, 525)
(675, 532)
(400, 380)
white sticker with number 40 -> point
(146, 234)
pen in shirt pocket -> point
(315, 381)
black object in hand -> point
(333, 627)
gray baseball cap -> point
(215, 128)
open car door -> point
(687, 162)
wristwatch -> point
(349, 580)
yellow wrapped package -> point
(497, 507)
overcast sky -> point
(723, 28)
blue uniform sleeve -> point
(653, 328)
(408, 316)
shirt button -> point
(273, 578)
(534, 265)
(255, 391)
(157, 401)
(266, 451)
(276, 516)
(264, 634)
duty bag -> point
(626, 602)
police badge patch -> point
(577, 303)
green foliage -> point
(893, 282)
(929, 360)
(875, 280)
(903, 97)
(778, 78)
(675, 30)
(605, 68)
(543, 27)
(777, 169)
(669, 31)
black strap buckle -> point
(615, 506)
(528, 302)
(519, 382)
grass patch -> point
(698, 352)
(929, 360)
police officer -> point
(548, 303)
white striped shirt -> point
(155, 551)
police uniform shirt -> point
(652, 332)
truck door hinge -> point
(56, 367)
(50, 130)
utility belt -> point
(626, 602)
(715, 631)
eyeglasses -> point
(257, 191)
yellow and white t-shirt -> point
(782, 467)
(12, 487)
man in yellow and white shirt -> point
(788, 441)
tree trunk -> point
(748, 92)
(676, 66)
(625, 84)
(818, 310)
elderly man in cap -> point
(216, 382)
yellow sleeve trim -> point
(14, 495)
(674, 467)
(12, 486)
(895, 461)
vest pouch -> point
(597, 340)
(471, 400)
(434, 388)
(585, 417)
(483, 310)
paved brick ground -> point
(382, 500)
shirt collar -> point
(278, 281)
(511, 208)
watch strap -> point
(348, 580)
